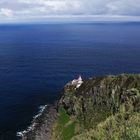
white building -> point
(77, 82)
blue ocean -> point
(37, 60)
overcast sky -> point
(46, 10)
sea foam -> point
(33, 123)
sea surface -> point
(37, 60)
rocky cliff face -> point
(115, 93)
(102, 108)
(100, 104)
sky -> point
(69, 10)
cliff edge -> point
(101, 108)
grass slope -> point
(65, 127)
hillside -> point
(102, 108)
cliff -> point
(102, 108)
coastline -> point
(41, 125)
(101, 100)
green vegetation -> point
(103, 108)
(65, 127)
(114, 128)
(63, 117)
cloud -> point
(43, 9)
(6, 12)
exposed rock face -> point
(111, 92)
(89, 112)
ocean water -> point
(36, 61)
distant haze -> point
(63, 10)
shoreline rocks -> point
(41, 126)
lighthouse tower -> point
(77, 82)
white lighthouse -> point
(77, 82)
